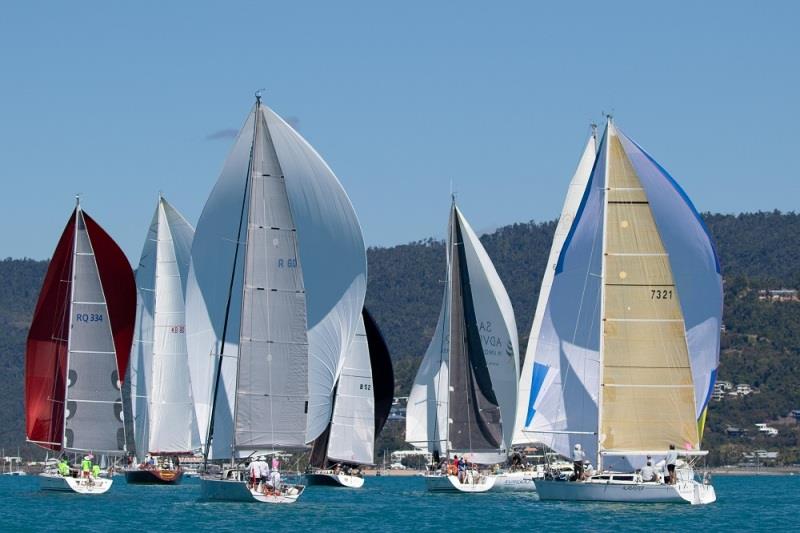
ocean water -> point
(390, 504)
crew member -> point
(648, 472)
(671, 459)
(86, 466)
(577, 461)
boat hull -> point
(515, 482)
(439, 483)
(153, 477)
(690, 492)
(237, 491)
(59, 483)
(335, 480)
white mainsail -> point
(352, 433)
(530, 382)
(624, 337)
(93, 414)
(464, 395)
(163, 410)
(278, 267)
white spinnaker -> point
(497, 328)
(214, 292)
(334, 263)
(427, 411)
(577, 186)
(352, 437)
(93, 414)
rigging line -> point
(210, 429)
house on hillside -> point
(763, 428)
(778, 295)
(795, 413)
(743, 389)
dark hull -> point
(153, 477)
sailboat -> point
(77, 351)
(625, 356)
(163, 411)
(523, 479)
(463, 398)
(363, 399)
(276, 287)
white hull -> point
(331, 479)
(237, 491)
(440, 483)
(516, 481)
(626, 491)
(59, 483)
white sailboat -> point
(276, 287)
(363, 399)
(77, 351)
(625, 342)
(526, 479)
(463, 398)
(163, 411)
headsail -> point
(81, 349)
(352, 433)
(530, 384)
(163, 411)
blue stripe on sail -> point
(579, 213)
(711, 383)
(539, 373)
(686, 199)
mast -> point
(218, 371)
(71, 314)
(603, 296)
(449, 288)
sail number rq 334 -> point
(89, 317)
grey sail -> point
(475, 422)
(93, 418)
(272, 385)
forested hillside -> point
(761, 344)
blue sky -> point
(120, 100)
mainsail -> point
(79, 342)
(630, 336)
(276, 286)
(163, 411)
(464, 396)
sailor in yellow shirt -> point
(63, 468)
(86, 466)
(96, 471)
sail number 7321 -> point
(661, 294)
